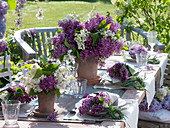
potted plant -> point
(45, 79)
(90, 42)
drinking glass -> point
(73, 72)
(152, 39)
(141, 59)
(79, 87)
(10, 110)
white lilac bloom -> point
(113, 1)
(119, 12)
(81, 38)
(125, 4)
(108, 33)
(39, 15)
(129, 2)
(3, 95)
(62, 74)
(34, 68)
(125, 21)
(141, 20)
(68, 58)
(92, 13)
(73, 17)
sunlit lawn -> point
(53, 11)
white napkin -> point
(132, 114)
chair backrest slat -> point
(48, 36)
(53, 34)
(39, 44)
(44, 45)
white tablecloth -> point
(150, 80)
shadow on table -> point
(45, 125)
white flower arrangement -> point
(162, 92)
(45, 77)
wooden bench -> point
(32, 49)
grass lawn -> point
(53, 11)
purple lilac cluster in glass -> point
(155, 105)
(3, 46)
(136, 49)
(93, 104)
(118, 71)
(102, 49)
(24, 98)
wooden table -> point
(64, 104)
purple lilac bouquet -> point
(136, 49)
(20, 94)
(155, 106)
(120, 71)
(98, 38)
(3, 46)
(100, 102)
(44, 76)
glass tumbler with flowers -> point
(45, 80)
(140, 53)
(91, 43)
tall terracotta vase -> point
(46, 104)
(88, 70)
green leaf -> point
(132, 71)
(32, 93)
(102, 24)
(107, 27)
(50, 68)
(19, 92)
(96, 38)
(78, 55)
(26, 66)
(43, 58)
(58, 30)
(101, 99)
(58, 93)
(77, 31)
(38, 73)
(67, 44)
(12, 4)
(61, 57)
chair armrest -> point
(28, 51)
(158, 46)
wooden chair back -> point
(31, 50)
(7, 66)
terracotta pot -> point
(46, 104)
(88, 70)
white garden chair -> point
(6, 73)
